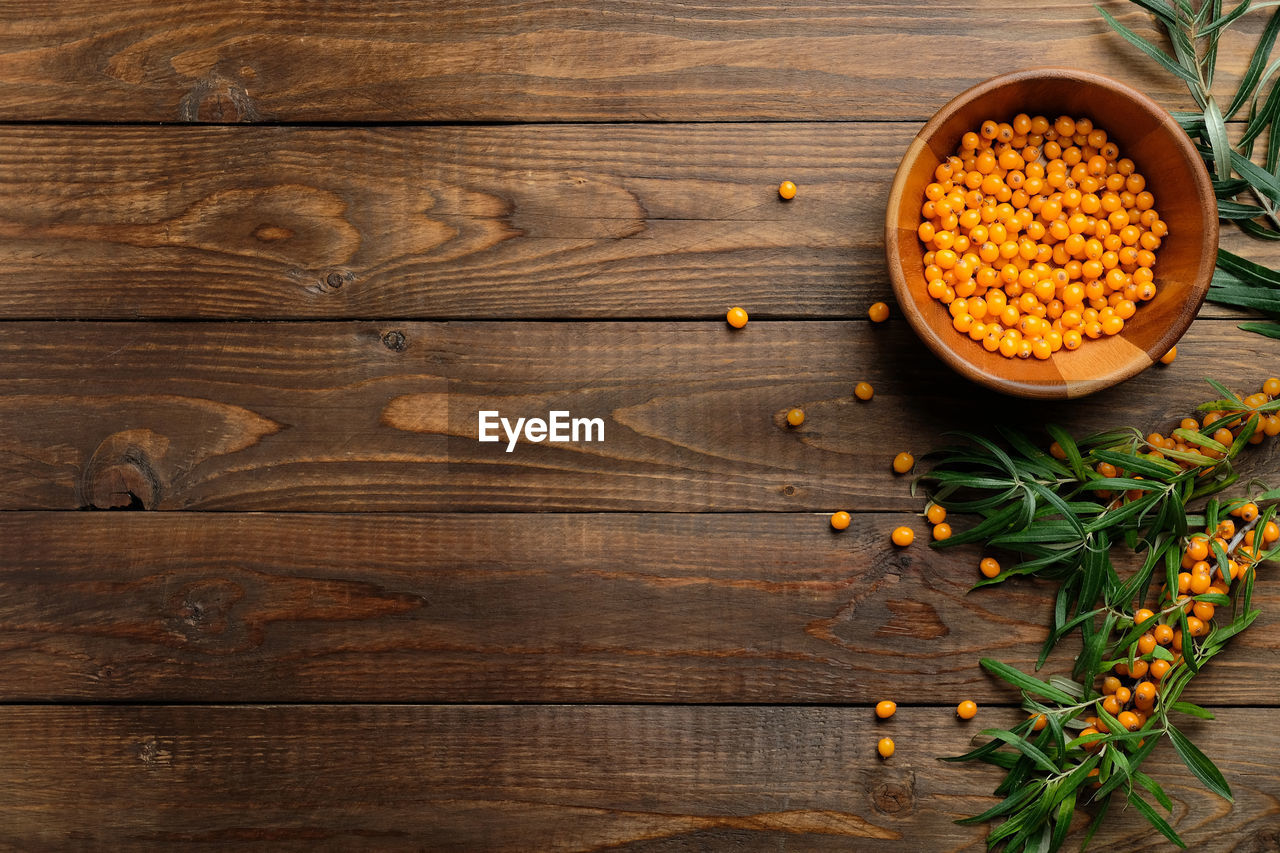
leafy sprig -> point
(1247, 193)
(1065, 513)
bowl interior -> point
(1175, 175)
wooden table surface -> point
(262, 265)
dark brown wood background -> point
(261, 588)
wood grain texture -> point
(363, 416)
(576, 221)
(228, 61)
(484, 607)
(543, 778)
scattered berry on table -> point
(967, 710)
(787, 190)
(941, 531)
(863, 391)
(840, 520)
(990, 567)
(903, 536)
(1168, 357)
(903, 462)
(878, 312)
(886, 709)
(885, 747)
(795, 417)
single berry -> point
(736, 317)
(787, 190)
(840, 520)
(903, 536)
(795, 417)
(967, 710)
(885, 709)
(903, 462)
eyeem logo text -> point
(559, 428)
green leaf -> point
(1024, 746)
(1135, 464)
(1154, 819)
(1193, 710)
(1271, 330)
(1020, 679)
(1062, 820)
(1217, 131)
(1155, 790)
(1070, 449)
(1200, 765)
(1148, 48)
(1261, 53)
(1010, 803)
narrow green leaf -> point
(1200, 765)
(1217, 131)
(1148, 48)
(1261, 53)
(1270, 330)
(1155, 790)
(1024, 746)
(1020, 679)
(1192, 709)
(1154, 819)
(1009, 804)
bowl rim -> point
(1199, 283)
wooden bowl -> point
(1175, 175)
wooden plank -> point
(364, 416)
(563, 778)
(576, 221)
(532, 608)
(470, 61)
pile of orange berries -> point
(1039, 235)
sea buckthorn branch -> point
(1065, 511)
(1194, 34)
(1080, 757)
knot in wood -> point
(203, 607)
(335, 280)
(395, 341)
(892, 798)
(121, 473)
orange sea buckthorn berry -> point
(967, 710)
(1159, 669)
(935, 513)
(885, 747)
(736, 317)
(1163, 634)
(1110, 684)
(990, 567)
(795, 417)
(1123, 695)
(1168, 357)
(1249, 512)
(903, 536)
(1141, 616)
(1144, 695)
(840, 520)
(1146, 643)
(1092, 746)
(878, 312)
(903, 462)
(1040, 722)
(787, 189)
(863, 391)
(886, 709)
(941, 531)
